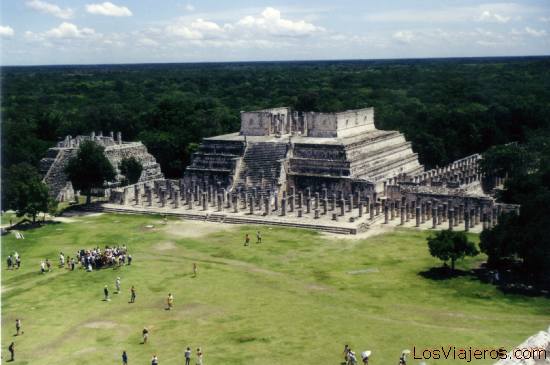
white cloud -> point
(403, 36)
(64, 30)
(487, 16)
(109, 9)
(6, 31)
(147, 42)
(270, 21)
(545, 19)
(189, 7)
(51, 9)
(534, 32)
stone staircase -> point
(53, 168)
(261, 165)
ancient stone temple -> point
(278, 148)
(52, 166)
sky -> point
(40, 32)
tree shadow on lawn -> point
(443, 273)
(27, 224)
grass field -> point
(289, 300)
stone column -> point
(276, 202)
(342, 207)
(429, 210)
(466, 220)
(235, 199)
(434, 217)
(283, 207)
(267, 207)
(377, 208)
(308, 204)
(291, 199)
(460, 213)
(334, 217)
(316, 205)
(325, 193)
(300, 199)
(472, 215)
(417, 215)
(219, 201)
(397, 208)
(407, 212)
(316, 214)
(386, 213)
(251, 203)
(204, 200)
(403, 215)
(176, 199)
(367, 204)
(137, 195)
(392, 210)
(439, 215)
(485, 222)
(371, 211)
(455, 217)
(300, 213)
(451, 216)
(477, 216)
(494, 217)
(333, 202)
(325, 206)
(163, 194)
(445, 212)
(422, 213)
(350, 203)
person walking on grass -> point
(195, 269)
(42, 267)
(18, 327)
(199, 357)
(48, 265)
(61, 260)
(132, 294)
(145, 334)
(246, 240)
(188, 356)
(11, 349)
(124, 358)
(106, 293)
(155, 360)
(258, 237)
(10, 262)
(170, 301)
(18, 262)
(117, 284)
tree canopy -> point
(451, 245)
(89, 169)
(24, 191)
(131, 168)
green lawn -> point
(289, 300)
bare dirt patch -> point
(165, 246)
(195, 229)
(101, 324)
(374, 230)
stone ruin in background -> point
(319, 170)
(52, 166)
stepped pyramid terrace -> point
(328, 171)
(52, 166)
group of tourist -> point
(350, 358)
(14, 261)
(109, 257)
(247, 238)
(155, 360)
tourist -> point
(154, 360)
(117, 284)
(48, 265)
(132, 294)
(42, 267)
(195, 269)
(258, 237)
(129, 260)
(145, 334)
(61, 260)
(188, 356)
(73, 263)
(170, 301)
(365, 357)
(11, 349)
(246, 239)
(18, 262)
(124, 358)
(10, 262)
(346, 352)
(199, 357)
(18, 327)
(106, 293)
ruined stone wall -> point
(265, 122)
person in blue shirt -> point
(124, 358)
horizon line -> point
(277, 61)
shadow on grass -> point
(443, 273)
(26, 225)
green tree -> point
(89, 169)
(451, 245)
(24, 191)
(131, 168)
